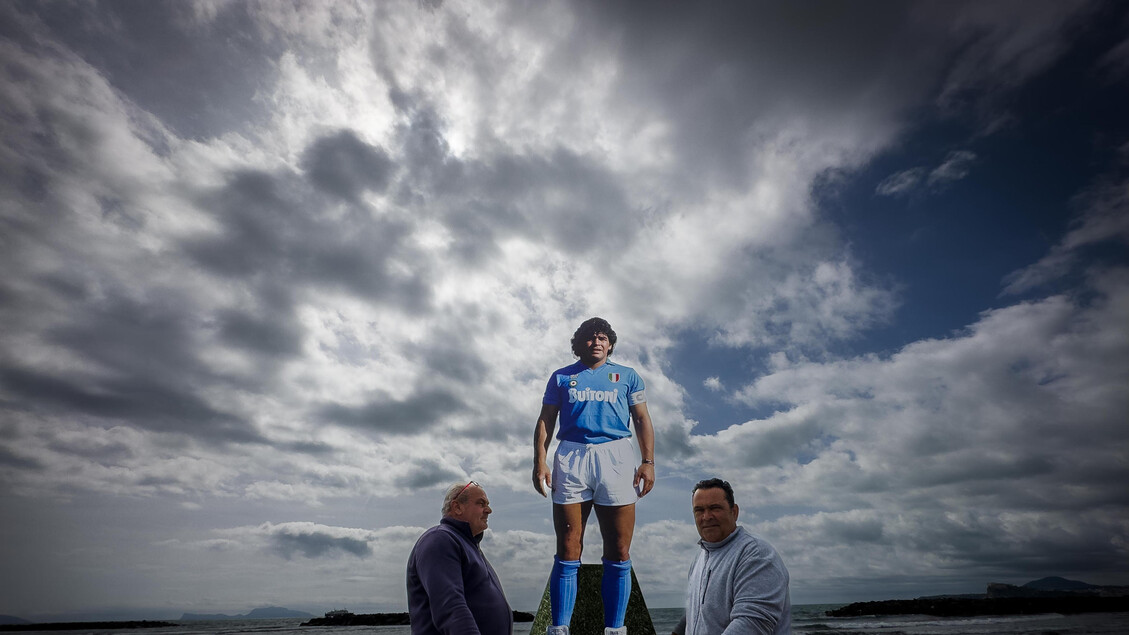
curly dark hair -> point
(716, 482)
(587, 329)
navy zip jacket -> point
(452, 589)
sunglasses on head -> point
(475, 483)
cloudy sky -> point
(273, 274)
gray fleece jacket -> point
(737, 586)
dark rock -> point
(957, 607)
(1046, 588)
(588, 615)
(362, 619)
(384, 619)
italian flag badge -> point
(613, 376)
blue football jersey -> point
(594, 403)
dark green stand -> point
(588, 615)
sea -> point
(807, 619)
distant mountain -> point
(12, 619)
(268, 613)
(1054, 586)
(1055, 583)
(275, 612)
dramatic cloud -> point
(315, 541)
(274, 274)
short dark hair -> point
(716, 482)
(590, 327)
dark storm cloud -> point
(842, 530)
(201, 78)
(13, 459)
(569, 200)
(716, 70)
(76, 284)
(94, 450)
(344, 165)
(148, 338)
(450, 352)
(412, 415)
(306, 447)
(727, 75)
(426, 153)
(312, 543)
(150, 372)
(273, 335)
(675, 441)
(427, 473)
(563, 199)
(995, 468)
(1035, 544)
(137, 400)
(276, 231)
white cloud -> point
(986, 426)
(900, 182)
(955, 167)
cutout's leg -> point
(569, 521)
(617, 525)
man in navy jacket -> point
(452, 589)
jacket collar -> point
(713, 546)
(462, 527)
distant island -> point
(1046, 595)
(85, 626)
(267, 613)
(345, 618)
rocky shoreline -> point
(383, 619)
(1045, 595)
(360, 619)
(964, 607)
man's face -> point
(475, 511)
(713, 515)
(596, 348)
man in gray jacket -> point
(738, 583)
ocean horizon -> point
(807, 619)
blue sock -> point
(615, 589)
(562, 590)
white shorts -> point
(599, 472)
